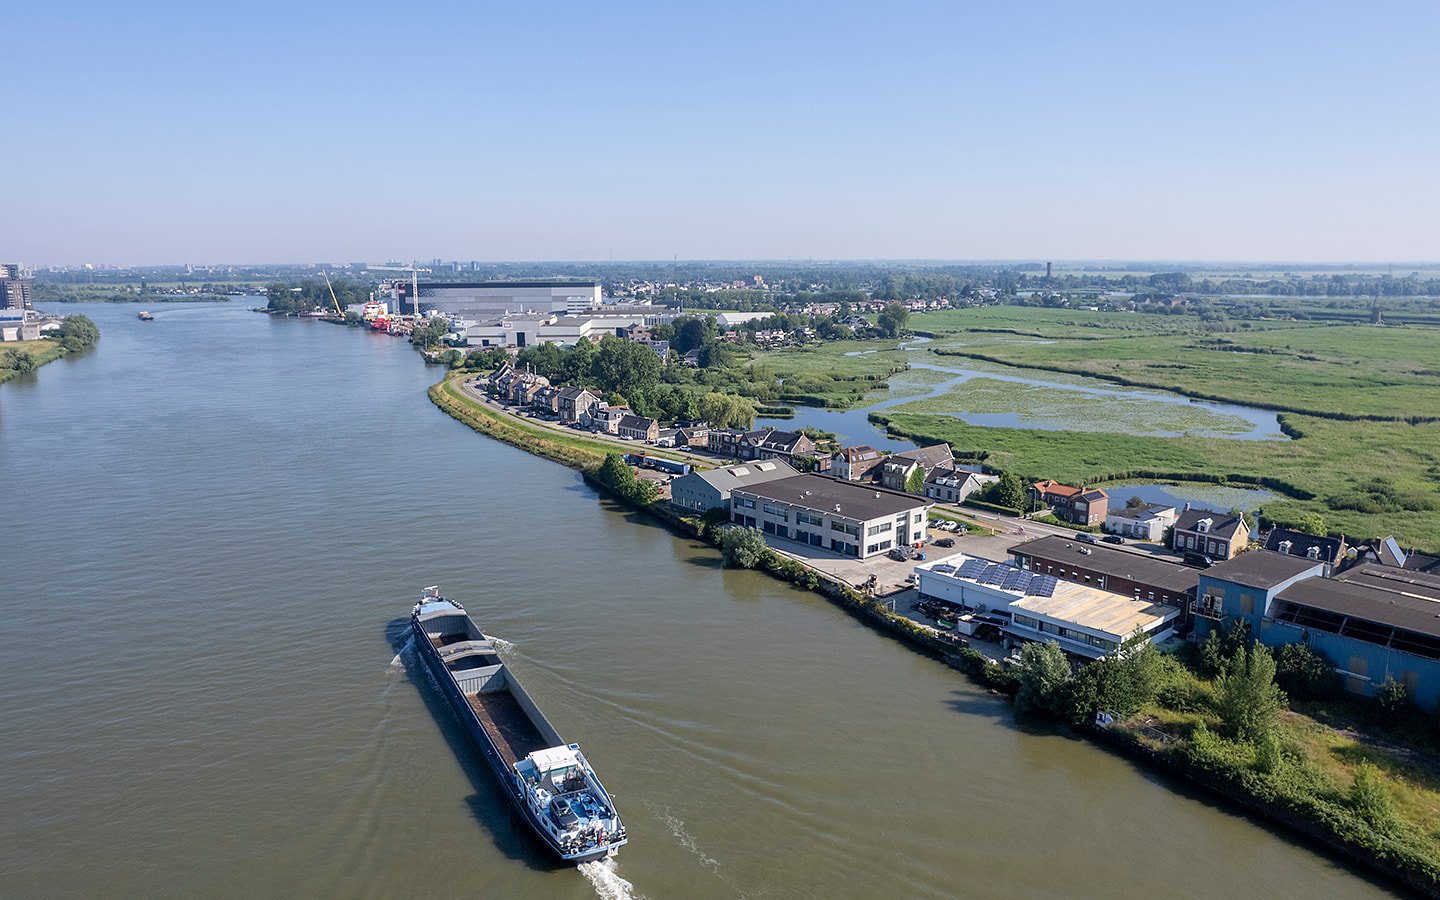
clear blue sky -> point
(254, 132)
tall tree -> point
(1044, 675)
(892, 319)
(1246, 695)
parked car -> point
(1198, 560)
(898, 555)
(945, 542)
(1113, 539)
(1085, 536)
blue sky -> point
(149, 133)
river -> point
(213, 524)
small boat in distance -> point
(549, 781)
(146, 316)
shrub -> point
(1369, 798)
(1247, 698)
(1393, 700)
(1304, 674)
(742, 548)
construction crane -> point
(333, 299)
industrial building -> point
(703, 491)
(491, 299)
(1139, 575)
(1371, 622)
(1086, 622)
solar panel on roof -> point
(994, 573)
(1044, 586)
(971, 568)
(1016, 580)
(945, 570)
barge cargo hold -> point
(549, 781)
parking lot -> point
(891, 574)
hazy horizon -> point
(164, 133)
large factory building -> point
(478, 300)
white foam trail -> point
(677, 828)
(399, 661)
(501, 644)
(607, 882)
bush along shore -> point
(1212, 716)
(76, 333)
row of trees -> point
(632, 373)
(281, 298)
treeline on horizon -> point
(797, 283)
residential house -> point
(1328, 550)
(694, 435)
(1371, 622)
(955, 485)
(547, 400)
(896, 469)
(1077, 506)
(703, 491)
(771, 444)
(638, 428)
(574, 405)
(1146, 522)
(728, 441)
(1217, 535)
(856, 463)
(667, 437)
(525, 386)
(845, 518)
(605, 418)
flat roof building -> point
(1120, 571)
(846, 518)
(486, 299)
(1085, 621)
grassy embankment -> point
(1311, 768)
(570, 450)
(41, 351)
(1331, 468)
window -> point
(877, 529)
(876, 548)
(807, 519)
(1247, 603)
(744, 503)
(852, 530)
(779, 512)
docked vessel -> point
(548, 780)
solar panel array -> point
(1003, 576)
(1043, 586)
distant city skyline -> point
(162, 133)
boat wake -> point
(398, 663)
(677, 828)
(607, 882)
(501, 645)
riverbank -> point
(1376, 855)
(38, 352)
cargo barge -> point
(548, 780)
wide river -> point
(212, 524)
